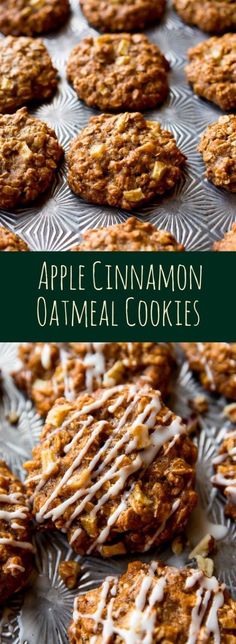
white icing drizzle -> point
(68, 381)
(17, 514)
(24, 545)
(46, 356)
(208, 590)
(15, 566)
(205, 364)
(12, 499)
(150, 542)
(94, 362)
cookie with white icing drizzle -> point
(153, 603)
(49, 371)
(16, 550)
(225, 472)
(114, 470)
(215, 365)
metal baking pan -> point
(196, 212)
(41, 613)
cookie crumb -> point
(70, 571)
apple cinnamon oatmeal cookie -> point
(156, 604)
(115, 470)
(26, 72)
(30, 154)
(212, 70)
(225, 472)
(16, 550)
(49, 371)
(123, 161)
(11, 242)
(120, 15)
(32, 17)
(218, 148)
(213, 16)
(228, 242)
(215, 364)
(131, 235)
(119, 72)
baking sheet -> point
(196, 212)
(41, 613)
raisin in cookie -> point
(213, 16)
(225, 472)
(212, 70)
(123, 161)
(155, 603)
(119, 72)
(131, 15)
(30, 154)
(16, 550)
(52, 370)
(11, 242)
(115, 470)
(26, 72)
(218, 148)
(131, 235)
(32, 17)
(215, 364)
(228, 242)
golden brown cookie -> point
(30, 154)
(123, 161)
(32, 17)
(213, 16)
(131, 235)
(228, 242)
(11, 242)
(131, 15)
(215, 364)
(212, 70)
(225, 472)
(115, 470)
(156, 604)
(119, 72)
(16, 550)
(49, 371)
(26, 72)
(218, 148)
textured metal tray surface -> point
(41, 614)
(196, 212)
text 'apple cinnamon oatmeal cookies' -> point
(30, 154)
(218, 148)
(119, 72)
(16, 550)
(49, 371)
(11, 242)
(213, 16)
(225, 472)
(228, 242)
(212, 70)
(215, 364)
(26, 72)
(114, 470)
(122, 15)
(154, 603)
(32, 17)
(123, 161)
(131, 235)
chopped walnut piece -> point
(205, 564)
(70, 571)
(204, 547)
(199, 404)
(230, 412)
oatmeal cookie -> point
(26, 72)
(228, 242)
(32, 17)
(16, 550)
(115, 470)
(30, 154)
(49, 371)
(213, 16)
(218, 148)
(131, 15)
(119, 72)
(155, 603)
(123, 161)
(215, 364)
(225, 472)
(212, 70)
(11, 242)
(131, 235)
